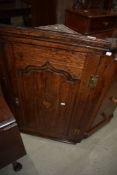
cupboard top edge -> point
(52, 36)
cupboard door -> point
(48, 81)
(46, 97)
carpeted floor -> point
(96, 155)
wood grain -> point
(48, 75)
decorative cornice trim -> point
(46, 67)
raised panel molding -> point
(46, 67)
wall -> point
(61, 6)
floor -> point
(96, 155)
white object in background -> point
(108, 53)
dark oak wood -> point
(5, 113)
(43, 12)
(91, 21)
(57, 81)
(11, 145)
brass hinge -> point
(93, 81)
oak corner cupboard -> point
(56, 83)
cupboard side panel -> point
(83, 100)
